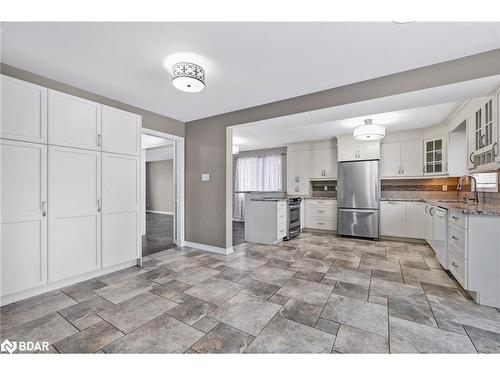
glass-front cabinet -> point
(435, 156)
(483, 135)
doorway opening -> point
(161, 210)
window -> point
(487, 181)
(258, 173)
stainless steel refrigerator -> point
(358, 198)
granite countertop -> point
(268, 199)
(462, 207)
(321, 198)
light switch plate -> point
(205, 177)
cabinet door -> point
(435, 156)
(23, 257)
(347, 152)
(316, 169)
(471, 147)
(411, 158)
(368, 150)
(74, 217)
(428, 224)
(330, 163)
(24, 110)
(390, 159)
(415, 220)
(292, 172)
(393, 218)
(121, 131)
(120, 209)
(73, 121)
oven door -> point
(294, 215)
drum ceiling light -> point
(369, 131)
(188, 77)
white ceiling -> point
(413, 110)
(247, 64)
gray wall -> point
(206, 138)
(160, 186)
(150, 120)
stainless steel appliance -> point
(293, 214)
(358, 198)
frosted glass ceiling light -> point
(369, 131)
(188, 77)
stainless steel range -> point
(293, 214)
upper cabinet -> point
(121, 131)
(400, 159)
(24, 111)
(349, 150)
(323, 161)
(73, 121)
(483, 134)
(435, 156)
(297, 172)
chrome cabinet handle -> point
(321, 211)
(455, 238)
(470, 157)
(426, 207)
(44, 208)
(494, 148)
(98, 140)
(99, 205)
(454, 217)
(402, 170)
(430, 211)
(454, 264)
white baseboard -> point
(213, 249)
(14, 297)
(160, 212)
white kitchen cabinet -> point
(415, 220)
(483, 134)
(435, 156)
(24, 110)
(323, 164)
(298, 172)
(401, 159)
(266, 221)
(73, 121)
(23, 216)
(393, 218)
(362, 150)
(321, 214)
(74, 217)
(121, 131)
(120, 208)
(428, 224)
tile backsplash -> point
(324, 189)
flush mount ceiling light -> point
(236, 150)
(369, 131)
(188, 77)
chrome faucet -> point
(460, 185)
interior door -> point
(411, 158)
(73, 121)
(390, 160)
(121, 131)
(74, 217)
(24, 110)
(23, 255)
(121, 241)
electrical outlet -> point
(325, 188)
(445, 187)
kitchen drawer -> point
(281, 205)
(318, 211)
(456, 236)
(281, 232)
(321, 202)
(457, 265)
(315, 223)
(458, 219)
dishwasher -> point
(440, 234)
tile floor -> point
(159, 233)
(314, 294)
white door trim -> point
(179, 183)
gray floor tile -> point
(309, 275)
(351, 290)
(136, 311)
(328, 326)
(119, 276)
(216, 291)
(443, 291)
(301, 312)
(90, 340)
(279, 263)
(246, 264)
(395, 277)
(271, 275)
(206, 324)
(434, 276)
(33, 308)
(50, 328)
(353, 340)
(376, 264)
(196, 275)
(223, 339)
(409, 337)
(349, 276)
(82, 291)
(286, 336)
(418, 264)
(171, 289)
(260, 289)
(484, 341)
(161, 335)
(159, 275)
(306, 291)
(356, 313)
(83, 314)
(399, 292)
(233, 274)
(312, 264)
(412, 313)
(192, 310)
(125, 289)
(247, 313)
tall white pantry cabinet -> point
(70, 189)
